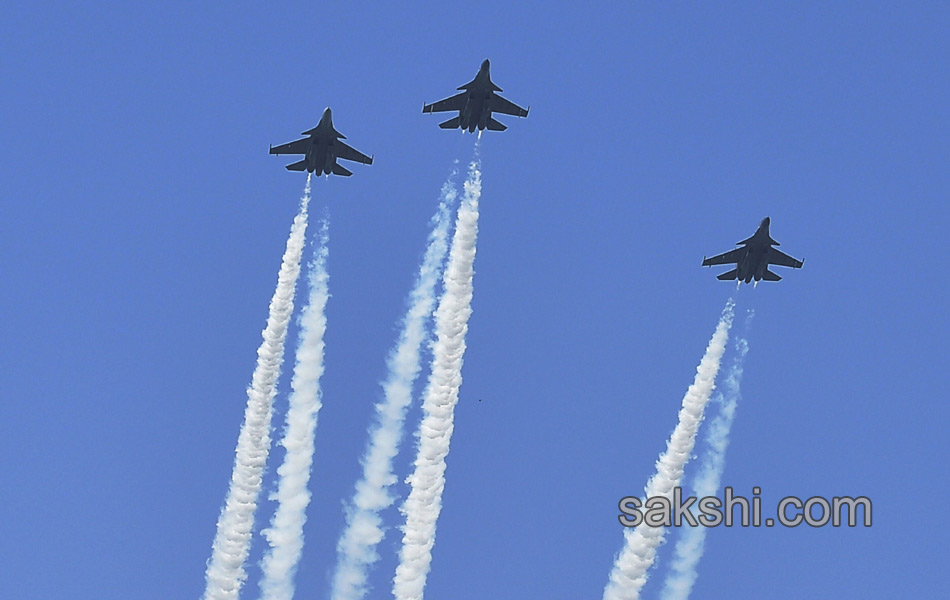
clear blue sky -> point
(142, 223)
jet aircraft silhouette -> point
(475, 105)
(753, 257)
(322, 149)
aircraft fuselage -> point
(753, 263)
(476, 113)
(321, 156)
(477, 110)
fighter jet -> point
(753, 257)
(475, 104)
(321, 150)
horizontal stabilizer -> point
(733, 274)
(770, 276)
(298, 166)
(496, 126)
(450, 124)
(338, 170)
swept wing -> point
(295, 147)
(507, 107)
(347, 152)
(456, 102)
(777, 257)
(726, 258)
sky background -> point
(142, 224)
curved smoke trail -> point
(225, 572)
(285, 534)
(427, 481)
(689, 547)
(630, 569)
(356, 550)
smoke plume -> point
(635, 559)
(225, 572)
(690, 545)
(356, 550)
(427, 481)
(285, 534)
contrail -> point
(285, 534)
(225, 571)
(427, 481)
(356, 550)
(689, 547)
(630, 569)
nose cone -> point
(327, 114)
(486, 65)
(765, 222)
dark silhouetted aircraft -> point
(753, 257)
(475, 104)
(321, 150)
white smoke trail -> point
(427, 481)
(285, 534)
(630, 569)
(689, 547)
(356, 550)
(225, 571)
